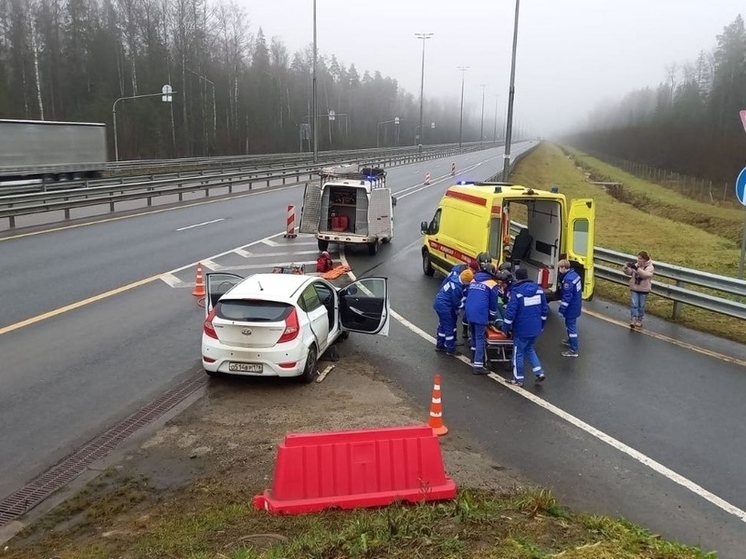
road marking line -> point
(172, 280)
(290, 253)
(580, 424)
(151, 212)
(270, 243)
(207, 263)
(244, 253)
(670, 340)
(77, 305)
(268, 266)
(201, 224)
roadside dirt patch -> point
(221, 451)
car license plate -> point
(246, 367)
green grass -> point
(210, 522)
(671, 227)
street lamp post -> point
(463, 70)
(395, 120)
(494, 133)
(511, 97)
(165, 95)
(423, 37)
(214, 111)
(314, 110)
(481, 132)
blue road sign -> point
(741, 186)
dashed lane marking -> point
(201, 224)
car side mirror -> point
(424, 227)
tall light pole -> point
(481, 132)
(494, 133)
(166, 96)
(314, 110)
(423, 37)
(463, 70)
(214, 111)
(511, 97)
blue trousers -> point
(525, 347)
(637, 305)
(446, 329)
(477, 343)
(571, 324)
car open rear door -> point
(364, 306)
(581, 237)
(218, 284)
(310, 214)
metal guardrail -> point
(730, 288)
(229, 161)
(40, 202)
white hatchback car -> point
(279, 324)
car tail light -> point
(292, 328)
(208, 328)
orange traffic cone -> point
(199, 285)
(436, 410)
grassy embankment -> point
(217, 522)
(644, 216)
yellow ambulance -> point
(530, 228)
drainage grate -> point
(58, 476)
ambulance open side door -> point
(310, 213)
(580, 239)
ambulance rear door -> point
(580, 230)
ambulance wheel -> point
(386, 240)
(427, 266)
(323, 245)
(373, 248)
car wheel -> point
(386, 240)
(323, 245)
(344, 335)
(373, 248)
(310, 371)
(427, 266)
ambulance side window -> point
(435, 223)
(580, 237)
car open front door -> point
(217, 284)
(581, 233)
(364, 306)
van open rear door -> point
(310, 214)
(379, 213)
(580, 240)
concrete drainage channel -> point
(68, 469)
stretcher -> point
(498, 346)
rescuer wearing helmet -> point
(481, 309)
(448, 301)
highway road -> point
(99, 319)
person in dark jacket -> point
(448, 301)
(526, 316)
(571, 304)
(481, 310)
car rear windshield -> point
(251, 310)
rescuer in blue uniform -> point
(481, 309)
(526, 316)
(454, 274)
(571, 305)
(448, 301)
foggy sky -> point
(572, 54)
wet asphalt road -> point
(65, 377)
(82, 364)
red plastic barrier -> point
(351, 469)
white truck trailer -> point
(47, 149)
(349, 205)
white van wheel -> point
(323, 245)
(373, 248)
